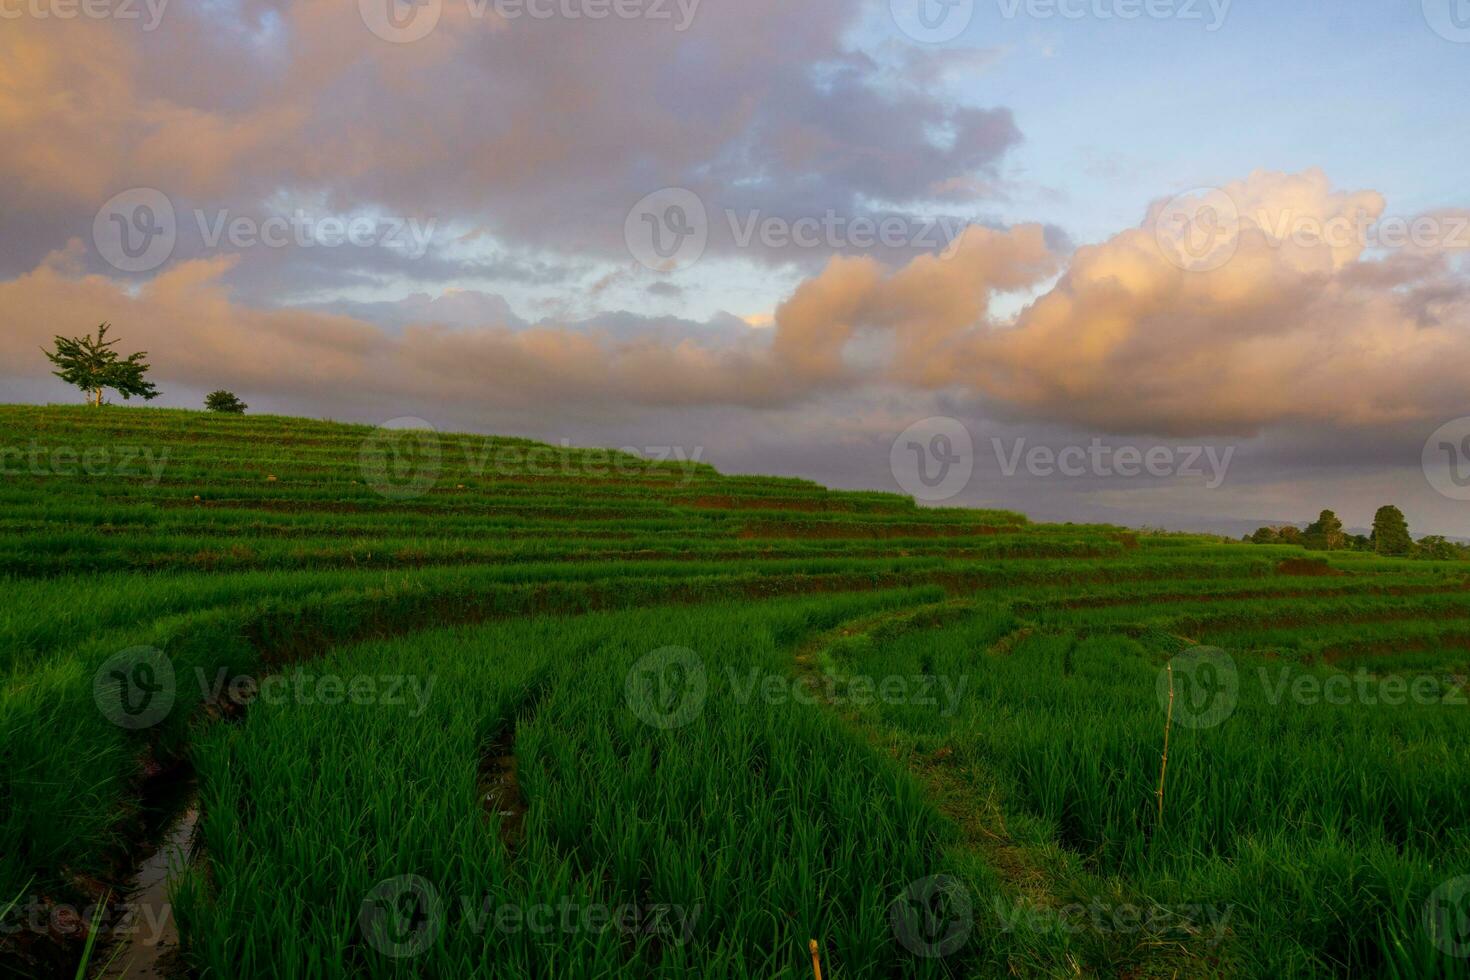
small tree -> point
(224, 401)
(1264, 535)
(92, 365)
(1391, 532)
(1437, 547)
(1325, 533)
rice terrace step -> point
(675, 745)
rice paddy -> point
(446, 705)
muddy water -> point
(144, 943)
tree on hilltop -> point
(92, 365)
(225, 402)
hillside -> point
(643, 683)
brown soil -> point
(1307, 568)
(500, 788)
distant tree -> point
(92, 365)
(1391, 532)
(1360, 542)
(1264, 535)
(1287, 534)
(225, 402)
(1439, 548)
(1325, 533)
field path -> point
(967, 799)
(970, 798)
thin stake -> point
(816, 960)
(1168, 723)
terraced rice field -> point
(435, 705)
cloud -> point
(469, 348)
(760, 104)
(917, 313)
(1288, 332)
(197, 335)
(1296, 327)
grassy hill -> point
(705, 718)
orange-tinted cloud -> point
(1285, 332)
(1298, 327)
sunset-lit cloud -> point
(516, 147)
(1125, 340)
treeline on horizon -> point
(1390, 537)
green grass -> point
(1302, 836)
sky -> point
(1194, 264)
